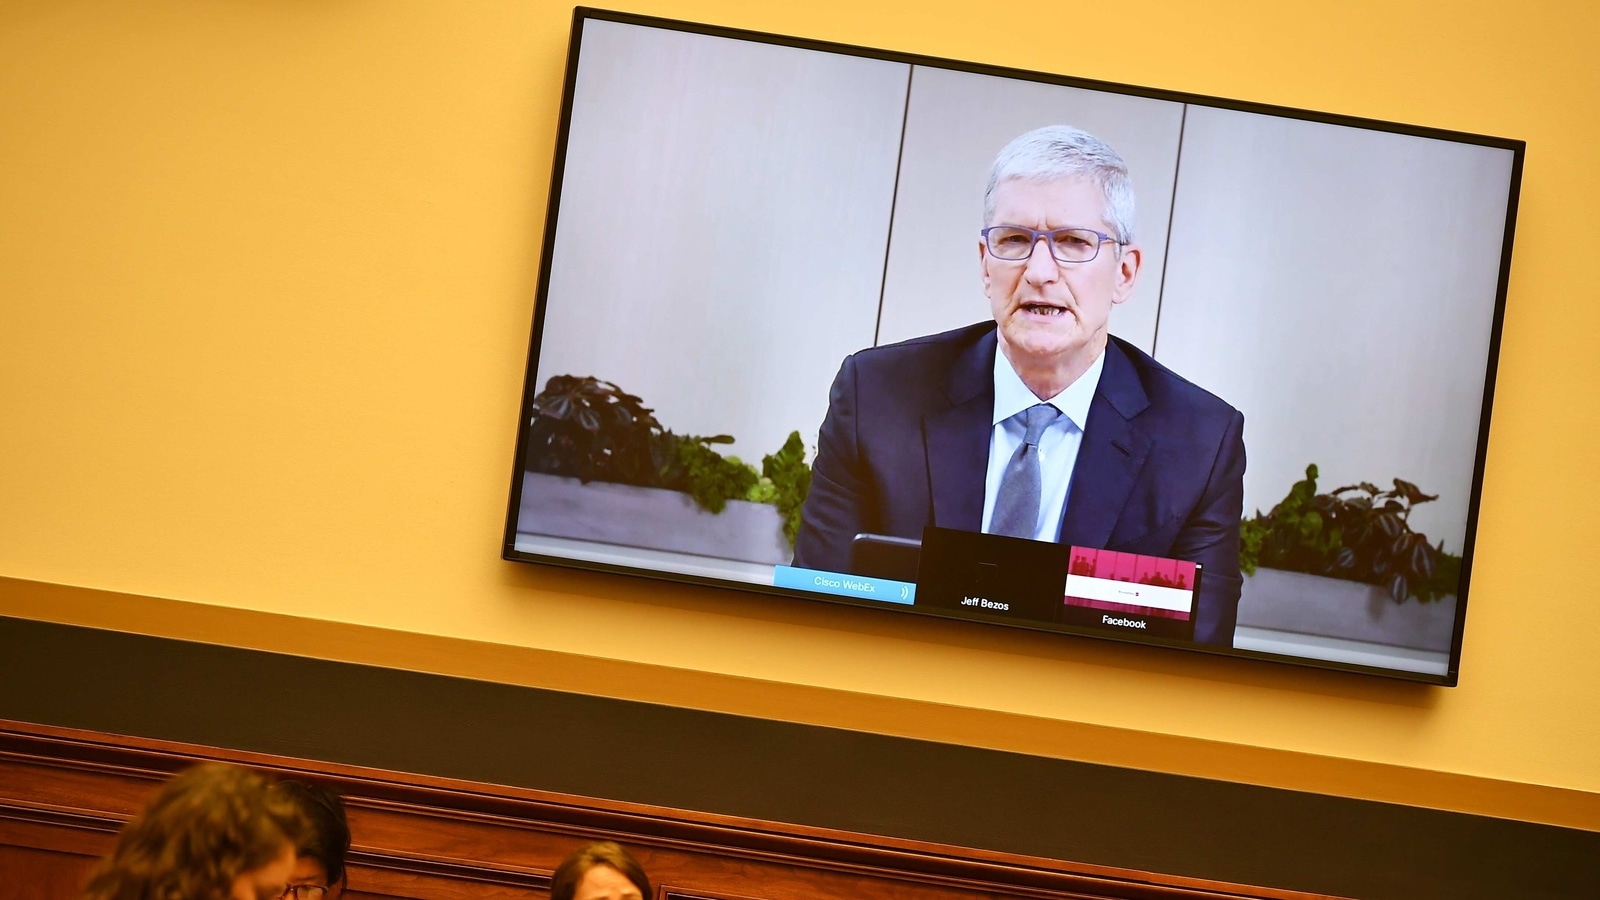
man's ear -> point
(983, 265)
(1129, 262)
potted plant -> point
(1359, 535)
(592, 431)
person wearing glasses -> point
(1038, 423)
(319, 871)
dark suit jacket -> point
(906, 443)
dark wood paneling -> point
(42, 874)
(64, 793)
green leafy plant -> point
(711, 478)
(1358, 533)
(593, 430)
(790, 478)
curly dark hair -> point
(564, 882)
(199, 833)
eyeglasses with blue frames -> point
(1013, 243)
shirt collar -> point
(1011, 396)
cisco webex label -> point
(1125, 623)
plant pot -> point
(1332, 607)
(652, 518)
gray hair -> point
(1061, 151)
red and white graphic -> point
(1131, 583)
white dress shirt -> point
(1058, 446)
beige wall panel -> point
(955, 124)
(722, 227)
(1337, 285)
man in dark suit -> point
(1038, 424)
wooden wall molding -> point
(64, 793)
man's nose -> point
(1042, 266)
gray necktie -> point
(1016, 509)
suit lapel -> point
(1113, 451)
(957, 439)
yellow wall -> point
(266, 278)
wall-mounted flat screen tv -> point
(824, 322)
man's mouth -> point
(1037, 308)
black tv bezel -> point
(530, 388)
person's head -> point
(1052, 297)
(215, 832)
(319, 854)
(601, 871)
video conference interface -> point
(1007, 579)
